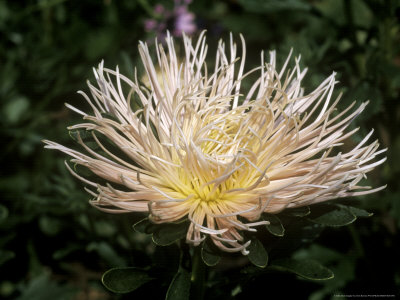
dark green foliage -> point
(308, 269)
(209, 253)
(332, 215)
(43, 288)
(358, 212)
(180, 286)
(54, 245)
(162, 234)
(275, 226)
(124, 280)
(258, 256)
(167, 234)
(144, 226)
(297, 212)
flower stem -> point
(198, 275)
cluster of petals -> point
(198, 146)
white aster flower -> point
(199, 149)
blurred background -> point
(53, 245)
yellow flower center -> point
(222, 157)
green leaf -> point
(16, 108)
(257, 254)
(297, 234)
(43, 287)
(168, 233)
(50, 226)
(3, 213)
(298, 211)
(163, 235)
(358, 212)
(275, 226)
(332, 215)
(144, 226)
(107, 253)
(124, 280)
(269, 6)
(97, 45)
(307, 268)
(341, 264)
(5, 256)
(179, 289)
(209, 254)
(63, 252)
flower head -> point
(199, 148)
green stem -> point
(198, 275)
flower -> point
(200, 149)
(179, 20)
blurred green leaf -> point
(50, 226)
(251, 26)
(261, 6)
(15, 109)
(99, 43)
(5, 256)
(179, 289)
(104, 228)
(43, 288)
(3, 213)
(366, 91)
(7, 288)
(308, 269)
(63, 252)
(106, 252)
(258, 256)
(4, 13)
(125, 280)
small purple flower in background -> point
(179, 20)
(184, 20)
